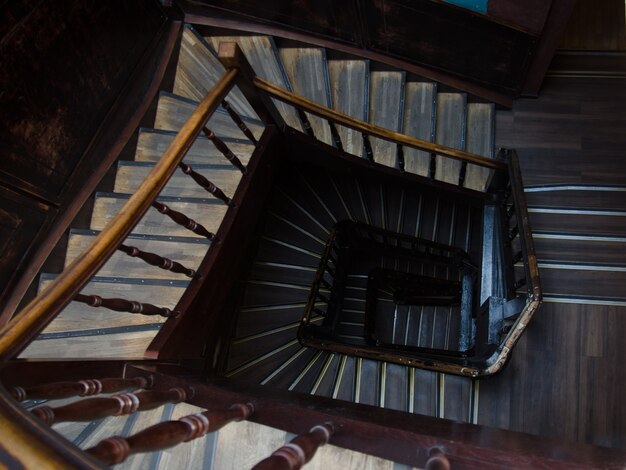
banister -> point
(16, 334)
(371, 129)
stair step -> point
(131, 174)
(209, 213)
(254, 320)
(152, 143)
(263, 56)
(307, 72)
(77, 317)
(577, 197)
(480, 140)
(450, 131)
(580, 248)
(199, 69)
(173, 111)
(419, 121)
(185, 250)
(578, 221)
(386, 109)
(349, 84)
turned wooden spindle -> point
(117, 405)
(299, 451)
(437, 460)
(306, 124)
(335, 135)
(239, 122)
(462, 173)
(123, 305)
(223, 148)
(82, 388)
(116, 449)
(183, 220)
(205, 183)
(157, 260)
(400, 156)
(432, 168)
(369, 153)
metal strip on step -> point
(566, 211)
(100, 331)
(573, 187)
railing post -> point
(299, 451)
(231, 56)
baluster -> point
(239, 122)
(299, 451)
(400, 155)
(437, 460)
(224, 150)
(306, 124)
(432, 169)
(335, 135)
(82, 388)
(117, 405)
(519, 283)
(369, 153)
(156, 260)
(115, 450)
(510, 211)
(205, 183)
(514, 232)
(462, 173)
(182, 219)
(518, 257)
(123, 305)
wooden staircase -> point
(265, 349)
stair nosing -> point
(140, 236)
(192, 200)
(126, 280)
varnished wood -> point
(36, 315)
(81, 388)
(205, 183)
(156, 260)
(239, 122)
(123, 305)
(373, 130)
(116, 449)
(122, 404)
(223, 148)
(299, 451)
(183, 220)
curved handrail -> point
(33, 318)
(373, 130)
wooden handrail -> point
(41, 311)
(370, 129)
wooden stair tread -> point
(151, 144)
(480, 140)
(207, 213)
(173, 111)
(263, 57)
(419, 121)
(306, 69)
(226, 178)
(199, 69)
(349, 82)
(450, 131)
(187, 251)
(386, 110)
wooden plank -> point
(349, 91)
(306, 69)
(263, 57)
(198, 70)
(385, 110)
(450, 131)
(173, 111)
(480, 140)
(155, 223)
(130, 176)
(419, 121)
(151, 145)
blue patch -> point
(475, 5)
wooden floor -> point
(566, 378)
